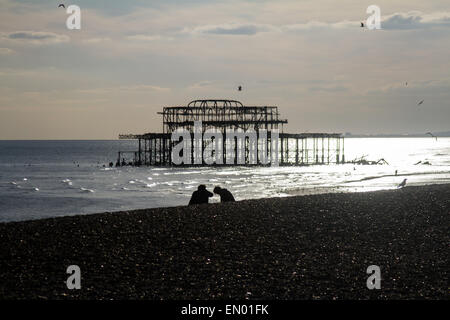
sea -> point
(43, 179)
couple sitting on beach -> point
(202, 195)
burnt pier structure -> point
(221, 116)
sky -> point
(310, 58)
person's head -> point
(201, 187)
(217, 189)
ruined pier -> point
(225, 116)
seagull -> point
(432, 135)
(240, 88)
(62, 5)
(420, 102)
(362, 24)
(401, 185)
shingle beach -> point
(302, 247)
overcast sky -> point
(309, 57)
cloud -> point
(5, 51)
(435, 86)
(35, 37)
(328, 89)
(396, 21)
(201, 85)
(144, 87)
(134, 88)
(320, 25)
(416, 20)
(231, 29)
(96, 40)
(144, 37)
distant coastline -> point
(399, 135)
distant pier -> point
(221, 116)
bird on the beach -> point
(401, 185)
(406, 83)
(429, 133)
(362, 24)
(240, 88)
(61, 5)
(420, 102)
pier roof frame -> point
(220, 114)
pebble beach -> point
(300, 247)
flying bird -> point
(429, 133)
(420, 102)
(401, 185)
(61, 5)
(240, 88)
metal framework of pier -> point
(223, 115)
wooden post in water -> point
(235, 150)
(224, 145)
(316, 149)
(337, 150)
(164, 150)
(287, 150)
(306, 150)
(170, 151)
(139, 153)
(328, 154)
(303, 150)
(323, 151)
(192, 148)
(343, 153)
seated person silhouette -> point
(225, 195)
(200, 196)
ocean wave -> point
(399, 175)
(150, 185)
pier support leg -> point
(287, 150)
(139, 153)
(323, 151)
